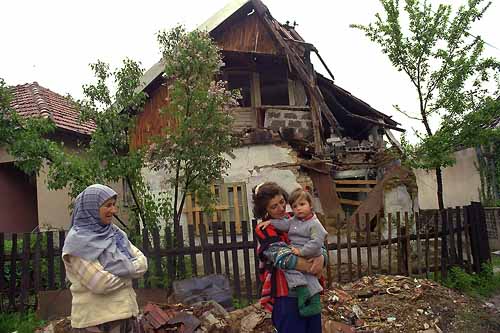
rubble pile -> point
(395, 304)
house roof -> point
(33, 100)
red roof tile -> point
(32, 100)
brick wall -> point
(277, 119)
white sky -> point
(53, 41)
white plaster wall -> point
(461, 182)
(257, 164)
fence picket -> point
(13, 273)
(379, 247)
(460, 251)
(451, 229)
(157, 257)
(427, 249)
(419, 249)
(192, 245)
(2, 264)
(399, 270)
(234, 254)
(407, 249)
(255, 255)
(444, 245)
(389, 246)
(62, 269)
(146, 251)
(339, 250)
(436, 243)
(358, 246)
(25, 279)
(180, 247)
(368, 242)
(246, 258)
(50, 260)
(215, 237)
(226, 253)
(468, 266)
(349, 249)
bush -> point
(483, 284)
(22, 323)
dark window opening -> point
(273, 89)
(241, 81)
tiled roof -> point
(33, 100)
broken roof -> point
(33, 100)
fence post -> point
(444, 245)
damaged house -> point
(296, 126)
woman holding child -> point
(291, 263)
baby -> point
(307, 236)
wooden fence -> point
(409, 244)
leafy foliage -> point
(444, 63)
(483, 284)
(193, 150)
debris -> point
(206, 288)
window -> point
(274, 89)
(231, 206)
(241, 81)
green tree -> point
(445, 65)
(193, 151)
(106, 159)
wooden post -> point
(436, 245)
(215, 236)
(379, 235)
(226, 253)
(460, 251)
(255, 255)
(206, 254)
(62, 270)
(349, 249)
(25, 278)
(234, 254)
(368, 243)
(339, 250)
(13, 272)
(157, 257)
(50, 260)
(419, 249)
(444, 245)
(467, 239)
(36, 263)
(358, 246)
(180, 246)
(389, 245)
(427, 250)
(146, 252)
(451, 229)
(408, 243)
(399, 247)
(192, 245)
(246, 259)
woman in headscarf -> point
(100, 263)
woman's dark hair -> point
(266, 192)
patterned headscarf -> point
(92, 240)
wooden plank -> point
(369, 243)
(419, 249)
(444, 245)
(226, 253)
(436, 245)
(399, 249)
(236, 205)
(451, 228)
(192, 254)
(36, 263)
(215, 236)
(206, 254)
(379, 247)
(408, 243)
(468, 267)
(147, 253)
(246, 261)
(350, 202)
(339, 250)
(234, 254)
(50, 260)
(389, 246)
(180, 245)
(460, 251)
(355, 181)
(353, 189)
(358, 246)
(256, 256)
(62, 270)
(25, 269)
(157, 257)
(13, 272)
(2, 261)
(427, 249)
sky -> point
(53, 42)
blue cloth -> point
(287, 319)
(92, 240)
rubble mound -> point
(402, 304)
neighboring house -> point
(25, 201)
(297, 127)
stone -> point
(290, 115)
(294, 123)
(278, 123)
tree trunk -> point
(439, 182)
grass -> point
(22, 323)
(482, 285)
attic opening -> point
(274, 89)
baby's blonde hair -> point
(298, 194)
